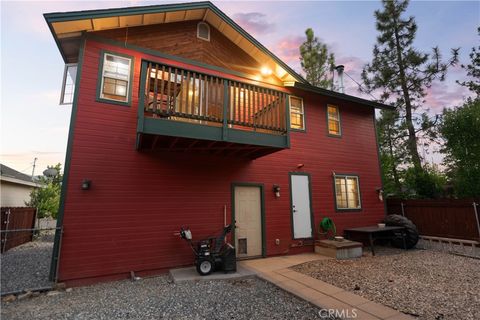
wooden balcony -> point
(182, 110)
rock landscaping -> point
(423, 283)
(27, 266)
(160, 298)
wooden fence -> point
(446, 218)
(14, 218)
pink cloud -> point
(254, 22)
(442, 95)
(288, 50)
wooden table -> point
(376, 233)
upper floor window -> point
(297, 114)
(347, 192)
(333, 119)
(203, 31)
(68, 84)
(116, 77)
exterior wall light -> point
(86, 184)
(276, 190)
(380, 193)
(300, 166)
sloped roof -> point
(342, 96)
(67, 28)
(12, 175)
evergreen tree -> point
(391, 157)
(316, 61)
(473, 70)
(403, 73)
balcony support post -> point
(141, 102)
(287, 118)
(225, 110)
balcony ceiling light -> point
(266, 71)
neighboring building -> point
(181, 118)
(15, 187)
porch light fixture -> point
(380, 193)
(300, 166)
(276, 190)
(266, 71)
(86, 184)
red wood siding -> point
(137, 201)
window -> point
(297, 116)
(347, 192)
(333, 116)
(116, 74)
(68, 84)
(203, 31)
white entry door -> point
(248, 221)
(302, 223)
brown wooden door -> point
(248, 217)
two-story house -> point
(181, 118)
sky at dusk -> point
(33, 124)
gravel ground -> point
(159, 298)
(426, 283)
(28, 265)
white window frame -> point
(346, 177)
(339, 134)
(198, 30)
(130, 63)
(64, 83)
(301, 113)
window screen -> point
(115, 78)
(347, 192)
(333, 116)
(68, 84)
(297, 116)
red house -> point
(181, 118)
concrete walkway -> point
(191, 274)
(323, 295)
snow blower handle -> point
(185, 233)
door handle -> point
(294, 210)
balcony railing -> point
(183, 95)
(179, 102)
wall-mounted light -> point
(266, 71)
(380, 193)
(276, 190)
(86, 184)
(300, 166)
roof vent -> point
(203, 31)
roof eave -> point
(102, 13)
(19, 181)
(342, 96)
